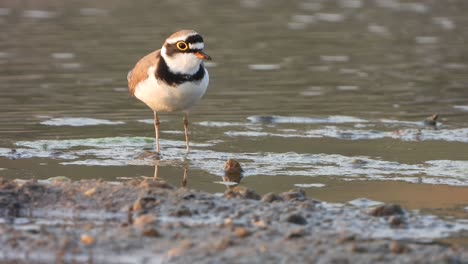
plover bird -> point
(172, 78)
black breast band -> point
(163, 73)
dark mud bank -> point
(147, 221)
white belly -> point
(161, 97)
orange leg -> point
(186, 132)
(156, 130)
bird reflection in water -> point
(233, 173)
(184, 177)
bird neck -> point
(165, 74)
(181, 63)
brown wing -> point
(140, 71)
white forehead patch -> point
(179, 38)
(197, 46)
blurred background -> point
(330, 96)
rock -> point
(153, 184)
(87, 240)
(233, 171)
(90, 192)
(431, 121)
(271, 197)
(241, 192)
(396, 221)
(386, 210)
(355, 248)
(345, 237)
(260, 224)
(144, 220)
(296, 233)
(150, 232)
(180, 249)
(241, 232)
(58, 179)
(396, 247)
(6, 184)
(296, 219)
(144, 203)
(223, 244)
(181, 211)
(296, 194)
(227, 222)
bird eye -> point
(182, 46)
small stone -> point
(144, 220)
(296, 219)
(153, 184)
(431, 121)
(386, 210)
(90, 192)
(346, 238)
(357, 249)
(396, 221)
(144, 203)
(150, 232)
(241, 232)
(241, 192)
(396, 247)
(58, 179)
(297, 233)
(181, 212)
(296, 194)
(224, 243)
(271, 197)
(227, 222)
(87, 240)
(260, 224)
(181, 248)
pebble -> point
(90, 192)
(181, 212)
(144, 220)
(271, 197)
(144, 203)
(396, 247)
(396, 221)
(224, 243)
(260, 224)
(150, 232)
(241, 192)
(241, 232)
(345, 237)
(151, 184)
(357, 249)
(431, 120)
(296, 233)
(87, 240)
(180, 249)
(296, 194)
(296, 219)
(386, 210)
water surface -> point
(325, 95)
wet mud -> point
(150, 221)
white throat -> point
(182, 63)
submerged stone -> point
(386, 210)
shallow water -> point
(325, 95)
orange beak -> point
(202, 55)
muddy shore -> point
(148, 221)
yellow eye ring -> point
(182, 46)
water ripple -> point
(123, 151)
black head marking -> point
(194, 39)
(172, 49)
